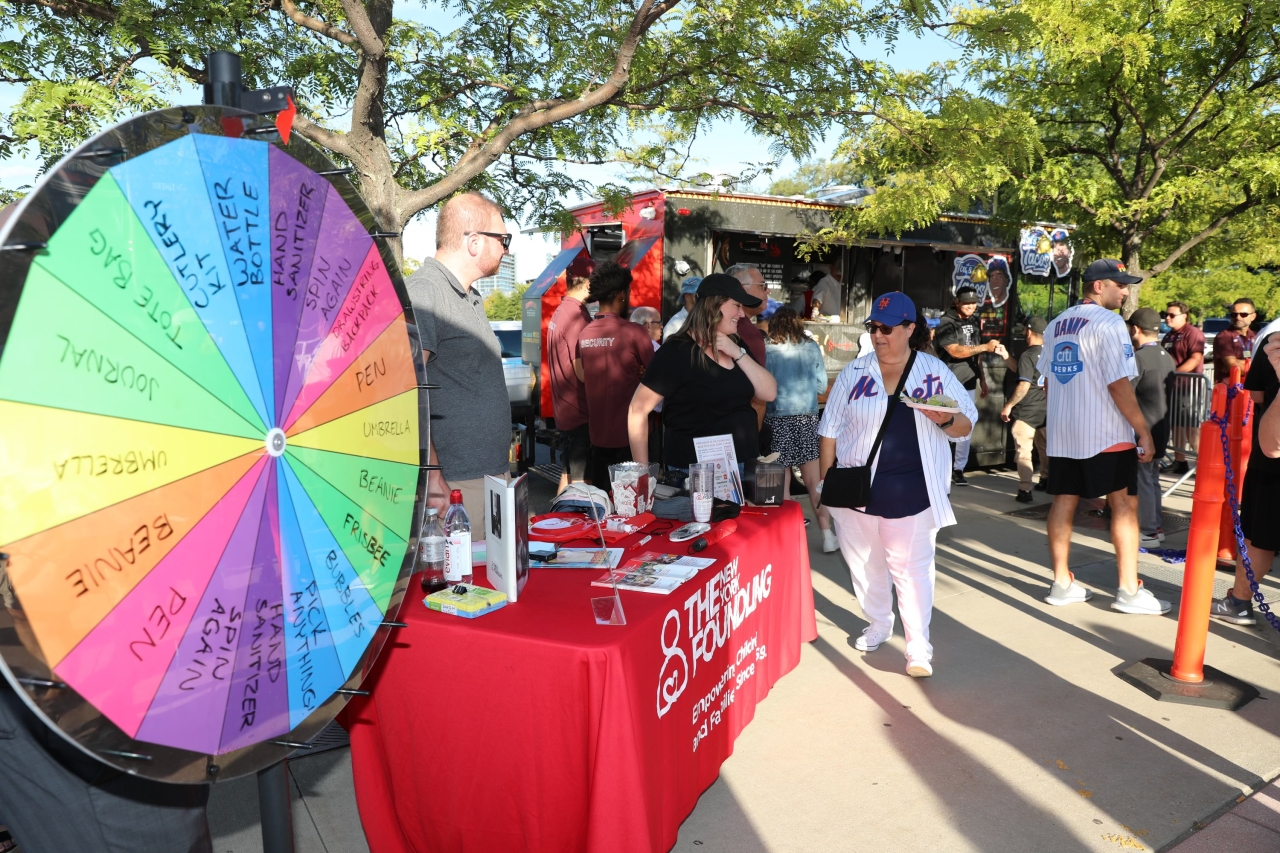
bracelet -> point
(741, 356)
(950, 422)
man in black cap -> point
(1152, 389)
(1097, 434)
(1026, 409)
(958, 341)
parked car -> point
(519, 376)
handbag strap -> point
(888, 413)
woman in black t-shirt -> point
(705, 380)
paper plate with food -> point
(936, 403)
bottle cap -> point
(432, 511)
(455, 496)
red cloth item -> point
(752, 339)
(568, 394)
(614, 353)
(535, 729)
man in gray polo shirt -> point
(470, 428)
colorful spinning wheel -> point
(209, 455)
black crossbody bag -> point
(850, 488)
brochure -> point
(674, 563)
(652, 572)
(476, 601)
(718, 450)
(581, 558)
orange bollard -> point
(1202, 550)
(1235, 439)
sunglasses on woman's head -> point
(880, 328)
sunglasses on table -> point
(880, 328)
(504, 239)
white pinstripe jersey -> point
(1086, 348)
(856, 407)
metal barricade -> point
(1190, 396)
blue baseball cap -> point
(690, 285)
(893, 309)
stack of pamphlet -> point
(465, 600)
(653, 572)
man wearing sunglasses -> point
(1186, 344)
(1234, 345)
(470, 415)
(958, 341)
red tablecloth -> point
(534, 729)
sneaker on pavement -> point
(830, 543)
(1160, 533)
(1149, 541)
(1179, 468)
(919, 668)
(1023, 497)
(1141, 603)
(1042, 485)
(1072, 593)
(1233, 610)
(871, 639)
(957, 479)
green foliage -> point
(814, 175)
(1153, 126)
(1209, 291)
(426, 99)
(505, 306)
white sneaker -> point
(871, 639)
(1142, 602)
(1072, 593)
(1149, 541)
(919, 668)
(830, 544)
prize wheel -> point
(209, 455)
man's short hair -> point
(644, 314)
(1181, 306)
(1244, 300)
(578, 282)
(607, 281)
(463, 214)
(740, 272)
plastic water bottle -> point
(431, 552)
(457, 543)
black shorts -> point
(575, 451)
(1096, 476)
(1260, 509)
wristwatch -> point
(951, 420)
(741, 352)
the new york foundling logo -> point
(1066, 361)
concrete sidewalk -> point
(1024, 739)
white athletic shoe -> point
(919, 668)
(1149, 541)
(1142, 602)
(830, 544)
(871, 639)
(1072, 593)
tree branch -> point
(1208, 232)
(368, 38)
(325, 138)
(315, 24)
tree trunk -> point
(1132, 263)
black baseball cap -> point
(1145, 319)
(1038, 325)
(1112, 269)
(967, 296)
(720, 284)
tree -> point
(813, 175)
(495, 95)
(505, 306)
(1154, 126)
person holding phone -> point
(1097, 434)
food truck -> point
(666, 235)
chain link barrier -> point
(1223, 423)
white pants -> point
(886, 554)
(962, 446)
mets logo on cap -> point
(883, 303)
(1066, 361)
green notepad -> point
(476, 601)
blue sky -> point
(724, 147)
